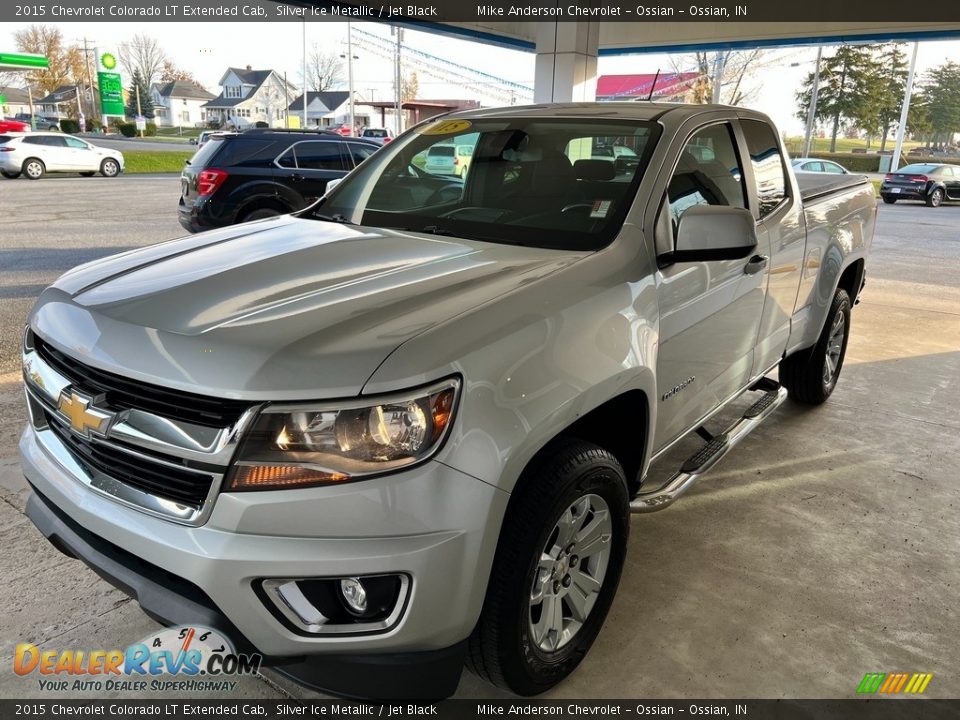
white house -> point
(15, 101)
(248, 96)
(325, 108)
(179, 103)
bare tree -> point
(410, 86)
(66, 61)
(172, 71)
(324, 70)
(143, 54)
(722, 76)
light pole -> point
(812, 112)
(304, 74)
(350, 58)
(904, 111)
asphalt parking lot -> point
(823, 548)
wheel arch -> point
(621, 425)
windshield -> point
(542, 182)
(373, 132)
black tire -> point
(935, 198)
(87, 174)
(33, 169)
(888, 199)
(804, 374)
(503, 648)
(261, 214)
(10, 175)
(109, 168)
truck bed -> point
(814, 186)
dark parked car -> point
(238, 177)
(39, 122)
(932, 183)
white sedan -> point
(38, 153)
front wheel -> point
(810, 376)
(556, 570)
(935, 199)
(889, 200)
(109, 168)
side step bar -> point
(710, 454)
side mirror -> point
(331, 184)
(714, 232)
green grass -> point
(795, 144)
(876, 187)
(154, 161)
(176, 132)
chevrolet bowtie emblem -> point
(84, 419)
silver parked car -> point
(34, 155)
(817, 165)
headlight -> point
(302, 445)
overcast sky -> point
(206, 49)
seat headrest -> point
(594, 170)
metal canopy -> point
(622, 38)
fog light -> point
(354, 595)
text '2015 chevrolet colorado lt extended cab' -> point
(405, 428)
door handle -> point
(296, 177)
(755, 264)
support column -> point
(566, 66)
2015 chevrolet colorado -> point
(406, 427)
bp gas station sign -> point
(111, 86)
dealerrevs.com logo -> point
(189, 658)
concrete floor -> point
(824, 547)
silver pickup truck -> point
(405, 429)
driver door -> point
(709, 311)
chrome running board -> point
(709, 455)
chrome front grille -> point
(162, 451)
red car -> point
(13, 126)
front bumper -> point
(434, 524)
(421, 675)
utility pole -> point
(398, 99)
(904, 111)
(95, 110)
(286, 101)
(812, 111)
(304, 74)
(139, 114)
(350, 58)
(719, 68)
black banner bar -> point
(856, 709)
(720, 11)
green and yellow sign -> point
(110, 82)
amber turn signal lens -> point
(266, 477)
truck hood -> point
(281, 309)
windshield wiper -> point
(437, 230)
(337, 218)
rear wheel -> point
(260, 214)
(556, 570)
(33, 169)
(810, 376)
(9, 175)
(889, 200)
(935, 199)
(109, 168)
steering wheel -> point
(453, 213)
(574, 206)
(445, 194)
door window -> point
(74, 143)
(314, 155)
(832, 168)
(708, 173)
(359, 153)
(767, 163)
